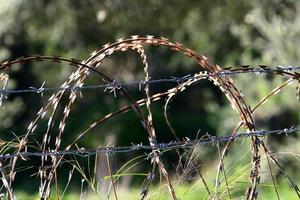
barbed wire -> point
(187, 143)
(116, 85)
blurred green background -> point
(229, 33)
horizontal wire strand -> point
(117, 85)
(208, 139)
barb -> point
(114, 86)
(208, 139)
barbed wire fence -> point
(75, 84)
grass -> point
(184, 192)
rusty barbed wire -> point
(187, 143)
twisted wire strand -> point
(116, 85)
(208, 139)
